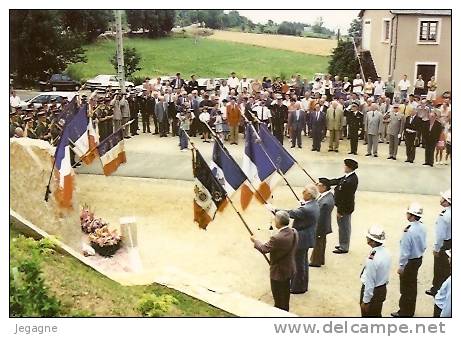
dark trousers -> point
(441, 270)
(409, 288)
(354, 139)
(318, 254)
(429, 154)
(174, 127)
(317, 135)
(145, 122)
(437, 311)
(376, 303)
(296, 136)
(410, 145)
(300, 280)
(134, 126)
(156, 124)
(281, 293)
(163, 127)
(278, 133)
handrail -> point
(358, 58)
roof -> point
(415, 12)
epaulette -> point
(443, 211)
(372, 255)
(407, 228)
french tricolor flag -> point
(112, 152)
(257, 167)
(75, 133)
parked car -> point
(102, 82)
(59, 82)
(46, 97)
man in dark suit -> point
(411, 129)
(318, 121)
(297, 120)
(305, 222)
(177, 82)
(192, 85)
(279, 118)
(326, 203)
(282, 247)
(345, 203)
(431, 132)
(354, 120)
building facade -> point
(409, 42)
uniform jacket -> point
(326, 205)
(374, 122)
(305, 222)
(396, 123)
(282, 247)
(335, 118)
(355, 122)
(415, 124)
(279, 116)
(117, 114)
(345, 193)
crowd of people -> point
(375, 112)
(289, 248)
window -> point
(429, 31)
(386, 30)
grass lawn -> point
(207, 58)
(83, 291)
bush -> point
(29, 297)
(137, 80)
(151, 305)
(131, 59)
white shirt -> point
(323, 194)
(15, 101)
(359, 82)
(233, 82)
(379, 88)
(223, 92)
(404, 85)
(204, 117)
(262, 112)
(244, 84)
(305, 103)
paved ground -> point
(152, 157)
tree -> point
(131, 60)
(89, 23)
(355, 30)
(157, 21)
(40, 45)
(343, 61)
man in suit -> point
(374, 126)
(233, 119)
(282, 247)
(279, 118)
(395, 130)
(305, 222)
(125, 110)
(431, 132)
(326, 203)
(117, 113)
(161, 112)
(318, 127)
(354, 119)
(177, 82)
(345, 203)
(192, 85)
(297, 120)
(412, 128)
(334, 118)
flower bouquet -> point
(105, 241)
(88, 222)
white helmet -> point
(446, 195)
(415, 209)
(376, 233)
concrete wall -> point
(379, 49)
(409, 51)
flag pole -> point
(230, 201)
(221, 145)
(297, 163)
(102, 142)
(48, 190)
(270, 159)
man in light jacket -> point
(395, 130)
(335, 114)
(373, 127)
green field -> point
(85, 292)
(206, 58)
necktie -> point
(318, 115)
(373, 113)
(334, 113)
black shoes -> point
(368, 154)
(314, 265)
(340, 251)
(430, 293)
